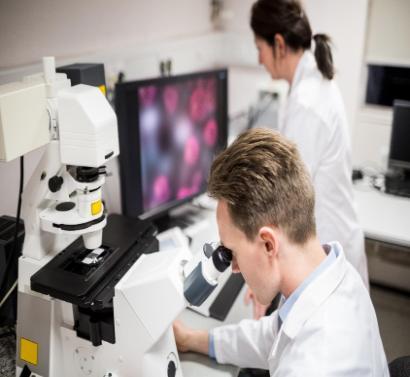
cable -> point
(250, 116)
(19, 204)
(6, 296)
(15, 242)
(259, 112)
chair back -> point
(400, 367)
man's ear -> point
(269, 237)
(279, 45)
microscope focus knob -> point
(55, 183)
(172, 369)
(65, 206)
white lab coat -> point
(330, 331)
(315, 120)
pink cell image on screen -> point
(184, 192)
(162, 190)
(197, 104)
(210, 96)
(202, 101)
(210, 133)
(147, 95)
(191, 152)
(171, 98)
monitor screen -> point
(399, 155)
(387, 83)
(170, 129)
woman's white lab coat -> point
(330, 331)
(315, 120)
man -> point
(325, 324)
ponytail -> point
(323, 55)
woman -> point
(314, 119)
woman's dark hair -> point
(287, 18)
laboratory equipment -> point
(101, 304)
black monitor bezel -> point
(394, 163)
(128, 129)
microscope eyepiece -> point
(200, 283)
(222, 258)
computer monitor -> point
(399, 156)
(170, 130)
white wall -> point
(66, 29)
(345, 22)
(389, 31)
(387, 44)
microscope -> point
(90, 302)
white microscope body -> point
(61, 202)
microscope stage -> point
(88, 277)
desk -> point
(385, 220)
(383, 217)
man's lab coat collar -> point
(315, 293)
(306, 65)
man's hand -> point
(259, 309)
(182, 335)
(188, 339)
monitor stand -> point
(182, 217)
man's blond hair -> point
(264, 182)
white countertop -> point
(383, 217)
